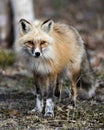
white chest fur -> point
(40, 66)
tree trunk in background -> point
(22, 9)
(4, 22)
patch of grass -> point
(7, 58)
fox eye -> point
(43, 42)
(30, 42)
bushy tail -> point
(87, 83)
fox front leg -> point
(39, 103)
(49, 109)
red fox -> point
(49, 49)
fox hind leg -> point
(74, 87)
(58, 88)
(74, 94)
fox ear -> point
(24, 26)
(47, 25)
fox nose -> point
(37, 54)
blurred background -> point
(86, 16)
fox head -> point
(35, 37)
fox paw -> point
(35, 110)
(49, 110)
(49, 113)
